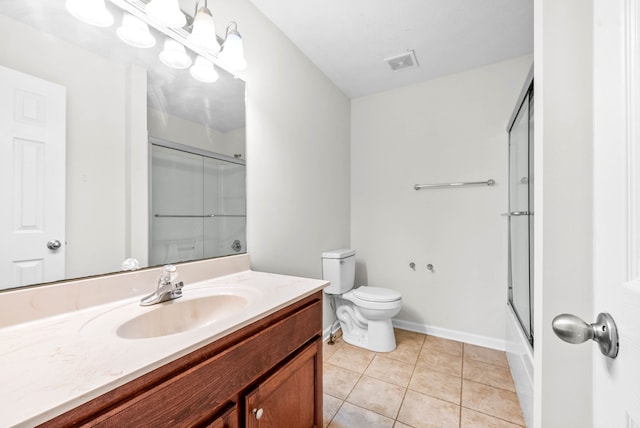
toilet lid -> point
(377, 294)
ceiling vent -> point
(403, 61)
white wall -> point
(563, 218)
(445, 130)
(96, 141)
(298, 153)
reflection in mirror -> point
(77, 109)
(209, 220)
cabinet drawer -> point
(196, 394)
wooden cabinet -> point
(228, 419)
(274, 364)
(277, 402)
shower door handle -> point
(516, 213)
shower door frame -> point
(526, 96)
(154, 141)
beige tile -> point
(330, 406)
(329, 350)
(492, 401)
(436, 384)
(485, 355)
(350, 416)
(401, 425)
(488, 374)
(419, 410)
(446, 346)
(409, 337)
(441, 362)
(377, 396)
(337, 381)
(405, 352)
(352, 358)
(471, 419)
(389, 370)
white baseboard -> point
(460, 336)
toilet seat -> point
(374, 298)
(376, 294)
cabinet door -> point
(291, 397)
(229, 419)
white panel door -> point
(32, 173)
(617, 207)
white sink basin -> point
(197, 308)
(176, 316)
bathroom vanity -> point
(270, 368)
(258, 365)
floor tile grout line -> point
(487, 363)
(406, 389)
(421, 348)
(491, 386)
(364, 408)
(336, 413)
(461, 388)
(357, 382)
(493, 416)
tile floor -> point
(425, 382)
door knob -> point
(54, 245)
(258, 413)
(572, 329)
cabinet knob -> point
(258, 413)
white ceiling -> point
(349, 39)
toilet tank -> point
(339, 267)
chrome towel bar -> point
(489, 182)
(198, 216)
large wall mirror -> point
(128, 125)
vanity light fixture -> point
(166, 17)
(135, 32)
(174, 55)
(203, 33)
(167, 12)
(232, 53)
(92, 12)
(203, 70)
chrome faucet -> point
(167, 288)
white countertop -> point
(53, 364)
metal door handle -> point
(54, 245)
(572, 329)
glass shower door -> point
(177, 206)
(225, 231)
(198, 207)
(520, 219)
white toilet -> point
(365, 312)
